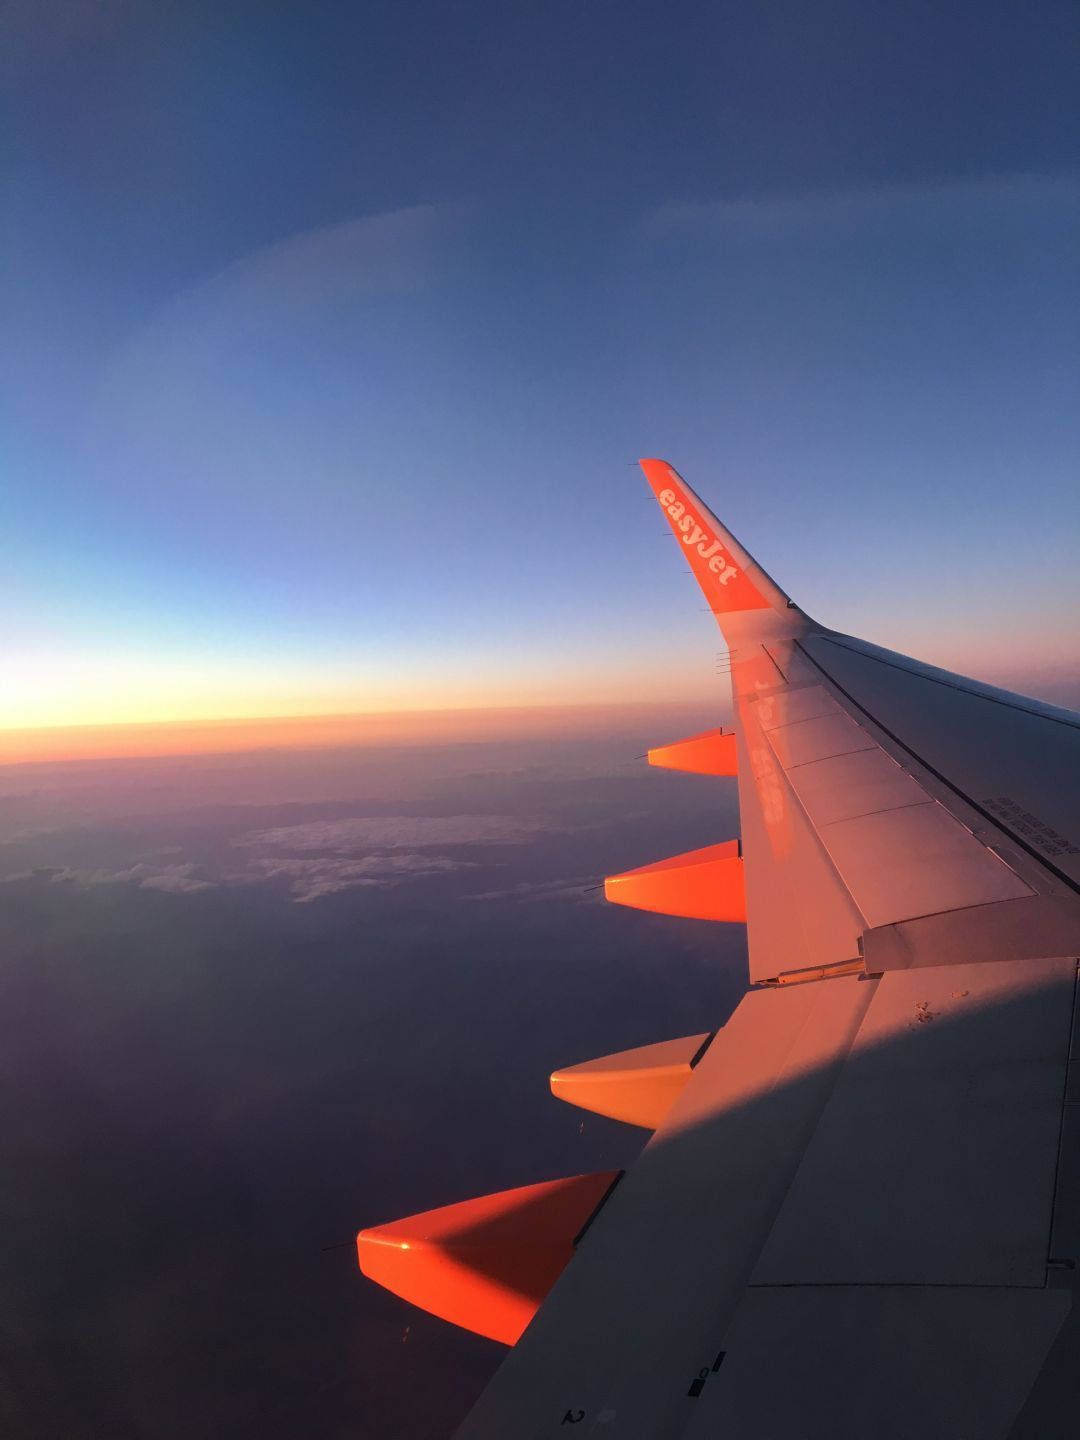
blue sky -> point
(332, 332)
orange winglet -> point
(636, 1086)
(710, 753)
(704, 884)
(485, 1264)
(729, 578)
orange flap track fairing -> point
(705, 884)
(710, 753)
(485, 1264)
(636, 1086)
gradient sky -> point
(331, 331)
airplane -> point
(858, 1214)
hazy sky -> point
(330, 331)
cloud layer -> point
(396, 832)
(321, 857)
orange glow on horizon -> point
(310, 732)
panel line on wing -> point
(833, 755)
(996, 822)
(897, 861)
(973, 688)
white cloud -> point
(178, 879)
(324, 857)
(397, 252)
(576, 889)
(821, 215)
(368, 255)
(392, 832)
(366, 851)
(309, 879)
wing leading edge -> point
(859, 1209)
(904, 813)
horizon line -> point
(147, 739)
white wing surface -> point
(859, 1212)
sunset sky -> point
(337, 618)
(327, 355)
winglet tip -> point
(653, 462)
(730, 578)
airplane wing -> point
(859, 1210)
